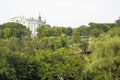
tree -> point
(83, 30)
(79, 33)
(95, 32)
(117, 22)
(6, 32)
(114, 31)
(44, 31)
(58, 31)
(84, 44)
(23, 65)
(14, 30)
(7, 72)
(76, 36)
(103, 62)
(97, 28)
(69, 31)
(60, 64)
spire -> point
(39, 13)
(39, 17)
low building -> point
(30, 23)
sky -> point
(67, 13)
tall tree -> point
(104, 61)
(118, 22)
(69, 31)
(14, 30)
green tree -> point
(44, 31)
(7, 72)
(114, 31)
(95, 32)
(62, 63)
(76, 36)
(103, 62)
(83, 30)
(117, 22)
(97, 28)
(69, 31)
(58, 31)
(6, 32)
(23, 65)
(14, 30)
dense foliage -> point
(59, 53)
(8, 30)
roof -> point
(31, 19)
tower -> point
(39, 17)
(39, 20)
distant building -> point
(30, 23)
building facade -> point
(30, 23)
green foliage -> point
(44, 31)
(76, 37)
(55, 54)
(23, 65)
(59, 64)
(95, 32)
(104, 59)
(13, 30)
(97, 28)
(114, 31)
(79, 33)
(84, 44)
(118, 22)
(6, 70)
(56, 31)
(69, 31)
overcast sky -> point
(62, 12)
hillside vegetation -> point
(60, 53)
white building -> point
(30, 23)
